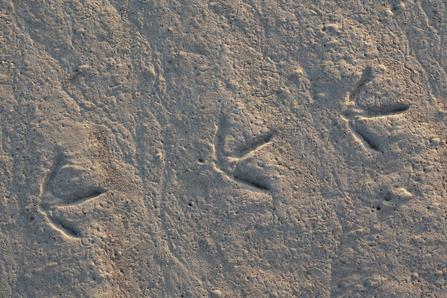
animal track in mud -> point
(254, 144)
(368, 140)
(227, 162)
(357, 118)
(68, 185)
(252, 183)
(65, 226)
(374, 112)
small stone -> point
(434, 141)
(216, 294)
(88, 105)
(400, 193)
(84, 68)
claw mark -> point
(395, 109)
(389, 110)
(367, 141)
(79, 199)
(256, 144)
(52, 173)
(65, 227)
(88, 196)
(367, 76)
(255, 184)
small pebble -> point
(84, 68)
(88, 105)
(434, 141)
(216, 294)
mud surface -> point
(223, 149)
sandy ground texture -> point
(236, 148)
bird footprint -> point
(68, 185)
(231, 161)
(368, 112)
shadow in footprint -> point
(65, 226)
(388, 110)
(369, 140)
(253, 183)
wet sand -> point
(223, 149)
